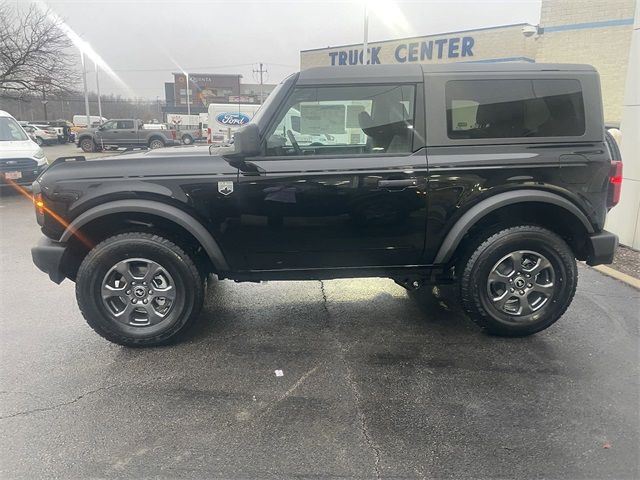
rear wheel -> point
(39, 141)
(518, 281)
(139, 289)
(156, 143)
(187, 139)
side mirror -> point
(247, 140)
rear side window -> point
(514, 108)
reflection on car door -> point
(342, 184)
(366, 211)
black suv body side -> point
(396, 171)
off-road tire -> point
(88, 145)
(155, 143)
(189, 286)
(479, 261)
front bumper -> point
(27, 177)
(601, 247)
(47, 256)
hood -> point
(21, 148)
(91, 130)
(135, 165)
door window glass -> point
(514, 108)
(345, 120)
(112, 125)
(125, 124)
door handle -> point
(405, 182)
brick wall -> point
(574, 33)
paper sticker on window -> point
(318, 119)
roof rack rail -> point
(75, 158)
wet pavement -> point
(376, 384)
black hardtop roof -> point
(414, 72)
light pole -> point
(84, 84)
(365, 53)
(98, 88)
(188, 103)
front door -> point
(342, 183)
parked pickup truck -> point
(495, 177)
(124, 132)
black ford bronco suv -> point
(497, 177)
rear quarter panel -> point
(464, 172)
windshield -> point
(10, 131)
(265, 106)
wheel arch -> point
(156, 137)
(490, 208)
(150, 209)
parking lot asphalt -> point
(376, 384)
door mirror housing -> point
(247, 141)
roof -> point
(414, 72)
(4, 114)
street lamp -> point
(84, 85)
(365, 52)
(98, 89)
(188, 103)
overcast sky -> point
(139, 39)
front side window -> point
(125, 124)
(514, 108)
(339, 120)
(112, 125)
(10, 131)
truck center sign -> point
(497, 44)
(454, 47)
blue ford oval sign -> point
(232, 119)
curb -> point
(623, 277)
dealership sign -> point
(232, 119)
(410, 52)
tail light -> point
(209, 135)
(615, 183)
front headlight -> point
(40, 157)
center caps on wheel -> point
(139, 292)
(520, 282)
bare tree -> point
(34, 52)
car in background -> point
(124, 132)
(42, 134)
(81, 120)
(21, 160)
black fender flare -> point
(169, 212)
(478, 211)
(156, 137)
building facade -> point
(206, 88)
(597, 32)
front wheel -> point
(139, 290)
(187, 140)
(39, 141)
(518, 281)
(88, 145)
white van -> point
(81, 120)
(225, 118)
(21, 159)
